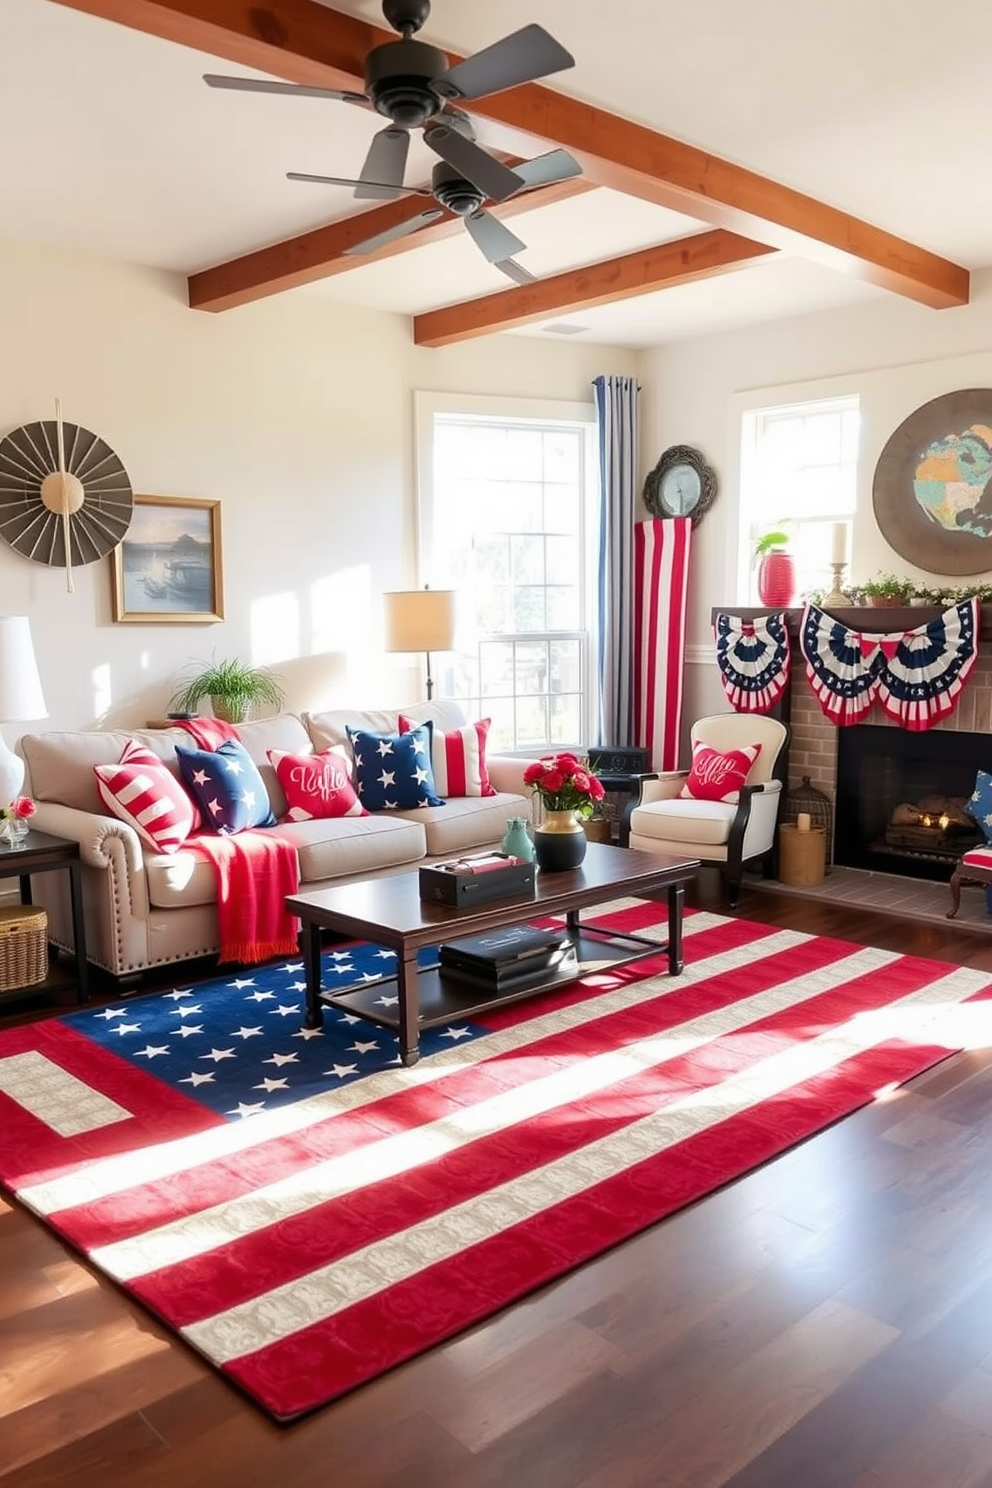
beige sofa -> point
(145, 909)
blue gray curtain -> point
(617, 433)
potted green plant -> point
(234, 688)
(776, 569)
(886, 589)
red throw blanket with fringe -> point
(255, 869)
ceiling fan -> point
(410, 83)
(452, 190)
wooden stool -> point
(975, 867)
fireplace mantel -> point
(878, 618)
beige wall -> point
(297, 414)
(895, 355)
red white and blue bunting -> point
(915, 675)
(753, 657)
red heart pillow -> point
(316, 785)
(718, 777)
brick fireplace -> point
(814, 750)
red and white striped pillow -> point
(458, 758)
(142, 791)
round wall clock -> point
(65, 497)
(680, 485)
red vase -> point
(777, 580)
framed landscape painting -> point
(168, 567)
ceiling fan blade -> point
(261, 85)
(557, 165)
(392, 234)
(516, 271)
(496, 180)
(381, 176)
(520, 58)
(495, 240)
(348, 181)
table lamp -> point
(420, 620)
(21, 697)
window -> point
(505, 520)
(798, 472)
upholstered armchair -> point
(734, 826)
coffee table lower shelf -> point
(443, 999)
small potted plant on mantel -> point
(234, 688)
(776, 570)
(887, 590)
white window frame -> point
(538, 412)
(750, 414)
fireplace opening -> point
(901, 796)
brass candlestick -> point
(837, 595)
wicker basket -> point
(23, 947)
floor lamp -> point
(420, 620)
(21, 697)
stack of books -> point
(501, 960)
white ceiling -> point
(879, 107)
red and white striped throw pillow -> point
(142, 791)
(718, 777)
(458, 758)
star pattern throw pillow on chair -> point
(226, 786)
(718, 777)
(393, 771)
(979, 804)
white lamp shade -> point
(420, 620)
(21, 696)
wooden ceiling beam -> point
(702, 256)
(304, 41)
(324, 251)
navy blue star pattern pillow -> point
(979, 804)
(393, 771)
(226, 786)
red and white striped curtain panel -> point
(661, 586)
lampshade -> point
(21, 696)
(420, 620)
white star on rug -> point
(112, 1013)
(284, 1011)
(175, 996)
(247, 1033)
(363, 1048)
(218, 1054)
(337, 955)
(150, 1050)
(279, 1059)
(387, 1001)
(240, 982)
(309, 1033)
(185, 1029)
(127, 1028)
(293, 966)
(258, 996)
(297, 987)
(342, 1069)
(348, 1018)
(242, 1109)
(343, 968)
(194, 1079)
(269, 1085)
(456, 1033)
(187, 1012)
(385, 955)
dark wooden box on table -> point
(465, 882)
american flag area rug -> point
(307, 1213)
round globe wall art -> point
(932, 491)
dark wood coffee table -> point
(390, 912)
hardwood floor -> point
(825, 1322)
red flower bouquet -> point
(564, 783)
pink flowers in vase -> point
(15, 816)
(564, 783)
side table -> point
(39, 852)
(620, 771)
